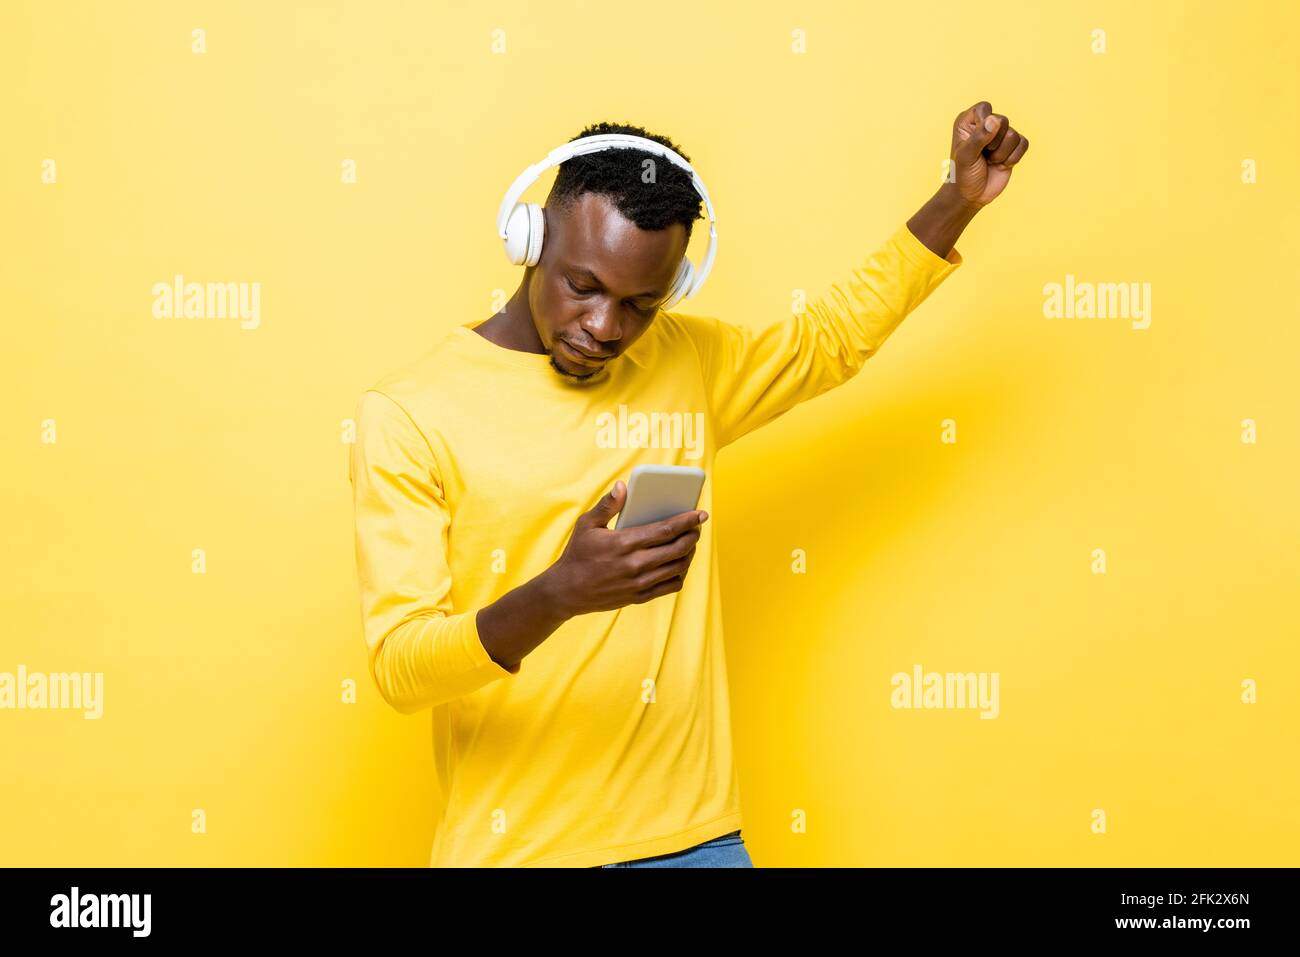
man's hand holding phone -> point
(644, 556)
(605, 568)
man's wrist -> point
(940, 222)
(551, 596)
(950, 198)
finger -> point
(609, 505)
(974, 135)
(975, 115)
(1001, 152)
(1018, 153)
(674, 569)
(657, 533)
(649, 558)
(969, 120)
(665, 587)
(1000, 134)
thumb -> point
(980, 136)
(609, 505)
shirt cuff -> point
(489, 666)
(919, 254)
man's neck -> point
(512, 327)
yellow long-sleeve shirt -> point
(612, 739)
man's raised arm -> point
(754, 376)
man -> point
(574, 673)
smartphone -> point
(656, 492)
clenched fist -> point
(984, 150)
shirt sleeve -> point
(754, 376)
(421, 652)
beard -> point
(598, 375)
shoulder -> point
(433, 377)
(685, 324)
(395, 404)
(690, 331)
(413, 381)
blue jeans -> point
(726, 851)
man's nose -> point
(602, 325)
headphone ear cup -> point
(525, 230)
(536, 233)
(685, 277)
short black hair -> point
(618, 174)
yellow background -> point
(222, 691)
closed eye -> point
(643, 310)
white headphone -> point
(523, 228)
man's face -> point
(599, 283)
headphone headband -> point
(604, 141)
